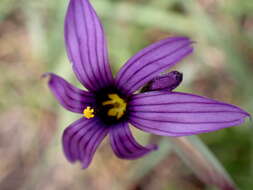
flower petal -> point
(70, 97)
(124, 144)
(151, 61)
(86, 45)
(180, 114)
(168, 81)
(81, 139)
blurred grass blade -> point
(199, 158)
(148, 163)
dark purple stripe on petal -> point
(77, 135)
(71, 137)
(145, 52)
(189, 118)
(89, 42)
(175, 57)
(180, 107)
(124, 144)
(86, 45)
(74, 51)
(151, 61)
(90, 142)
(81, 139)
(103, 60)
(70, 97)
(173, 129)
(178, 114)
(174, 98)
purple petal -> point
(124, 144)
(81, 139)
(86, 45)
(168, 81)
(70, 97)
(180, 114)
(151, 61)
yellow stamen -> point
(119, 106)
(88, 112)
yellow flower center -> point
(118, 106)
(88, 112)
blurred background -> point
(31, 43)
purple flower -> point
(111, 103)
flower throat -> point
(111, 107)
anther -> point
(88, 112)
(118, 106)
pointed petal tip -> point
(86, 45)
(49, 76)
(71, 160)
(46, 75)
(250, 118)
(183, 38)
(248, 115)
(84, 166)
(70, 97)
(182, 114)
(193, 41)
(153, 147)
(243, 112)
(178, 38)
(69, 157)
